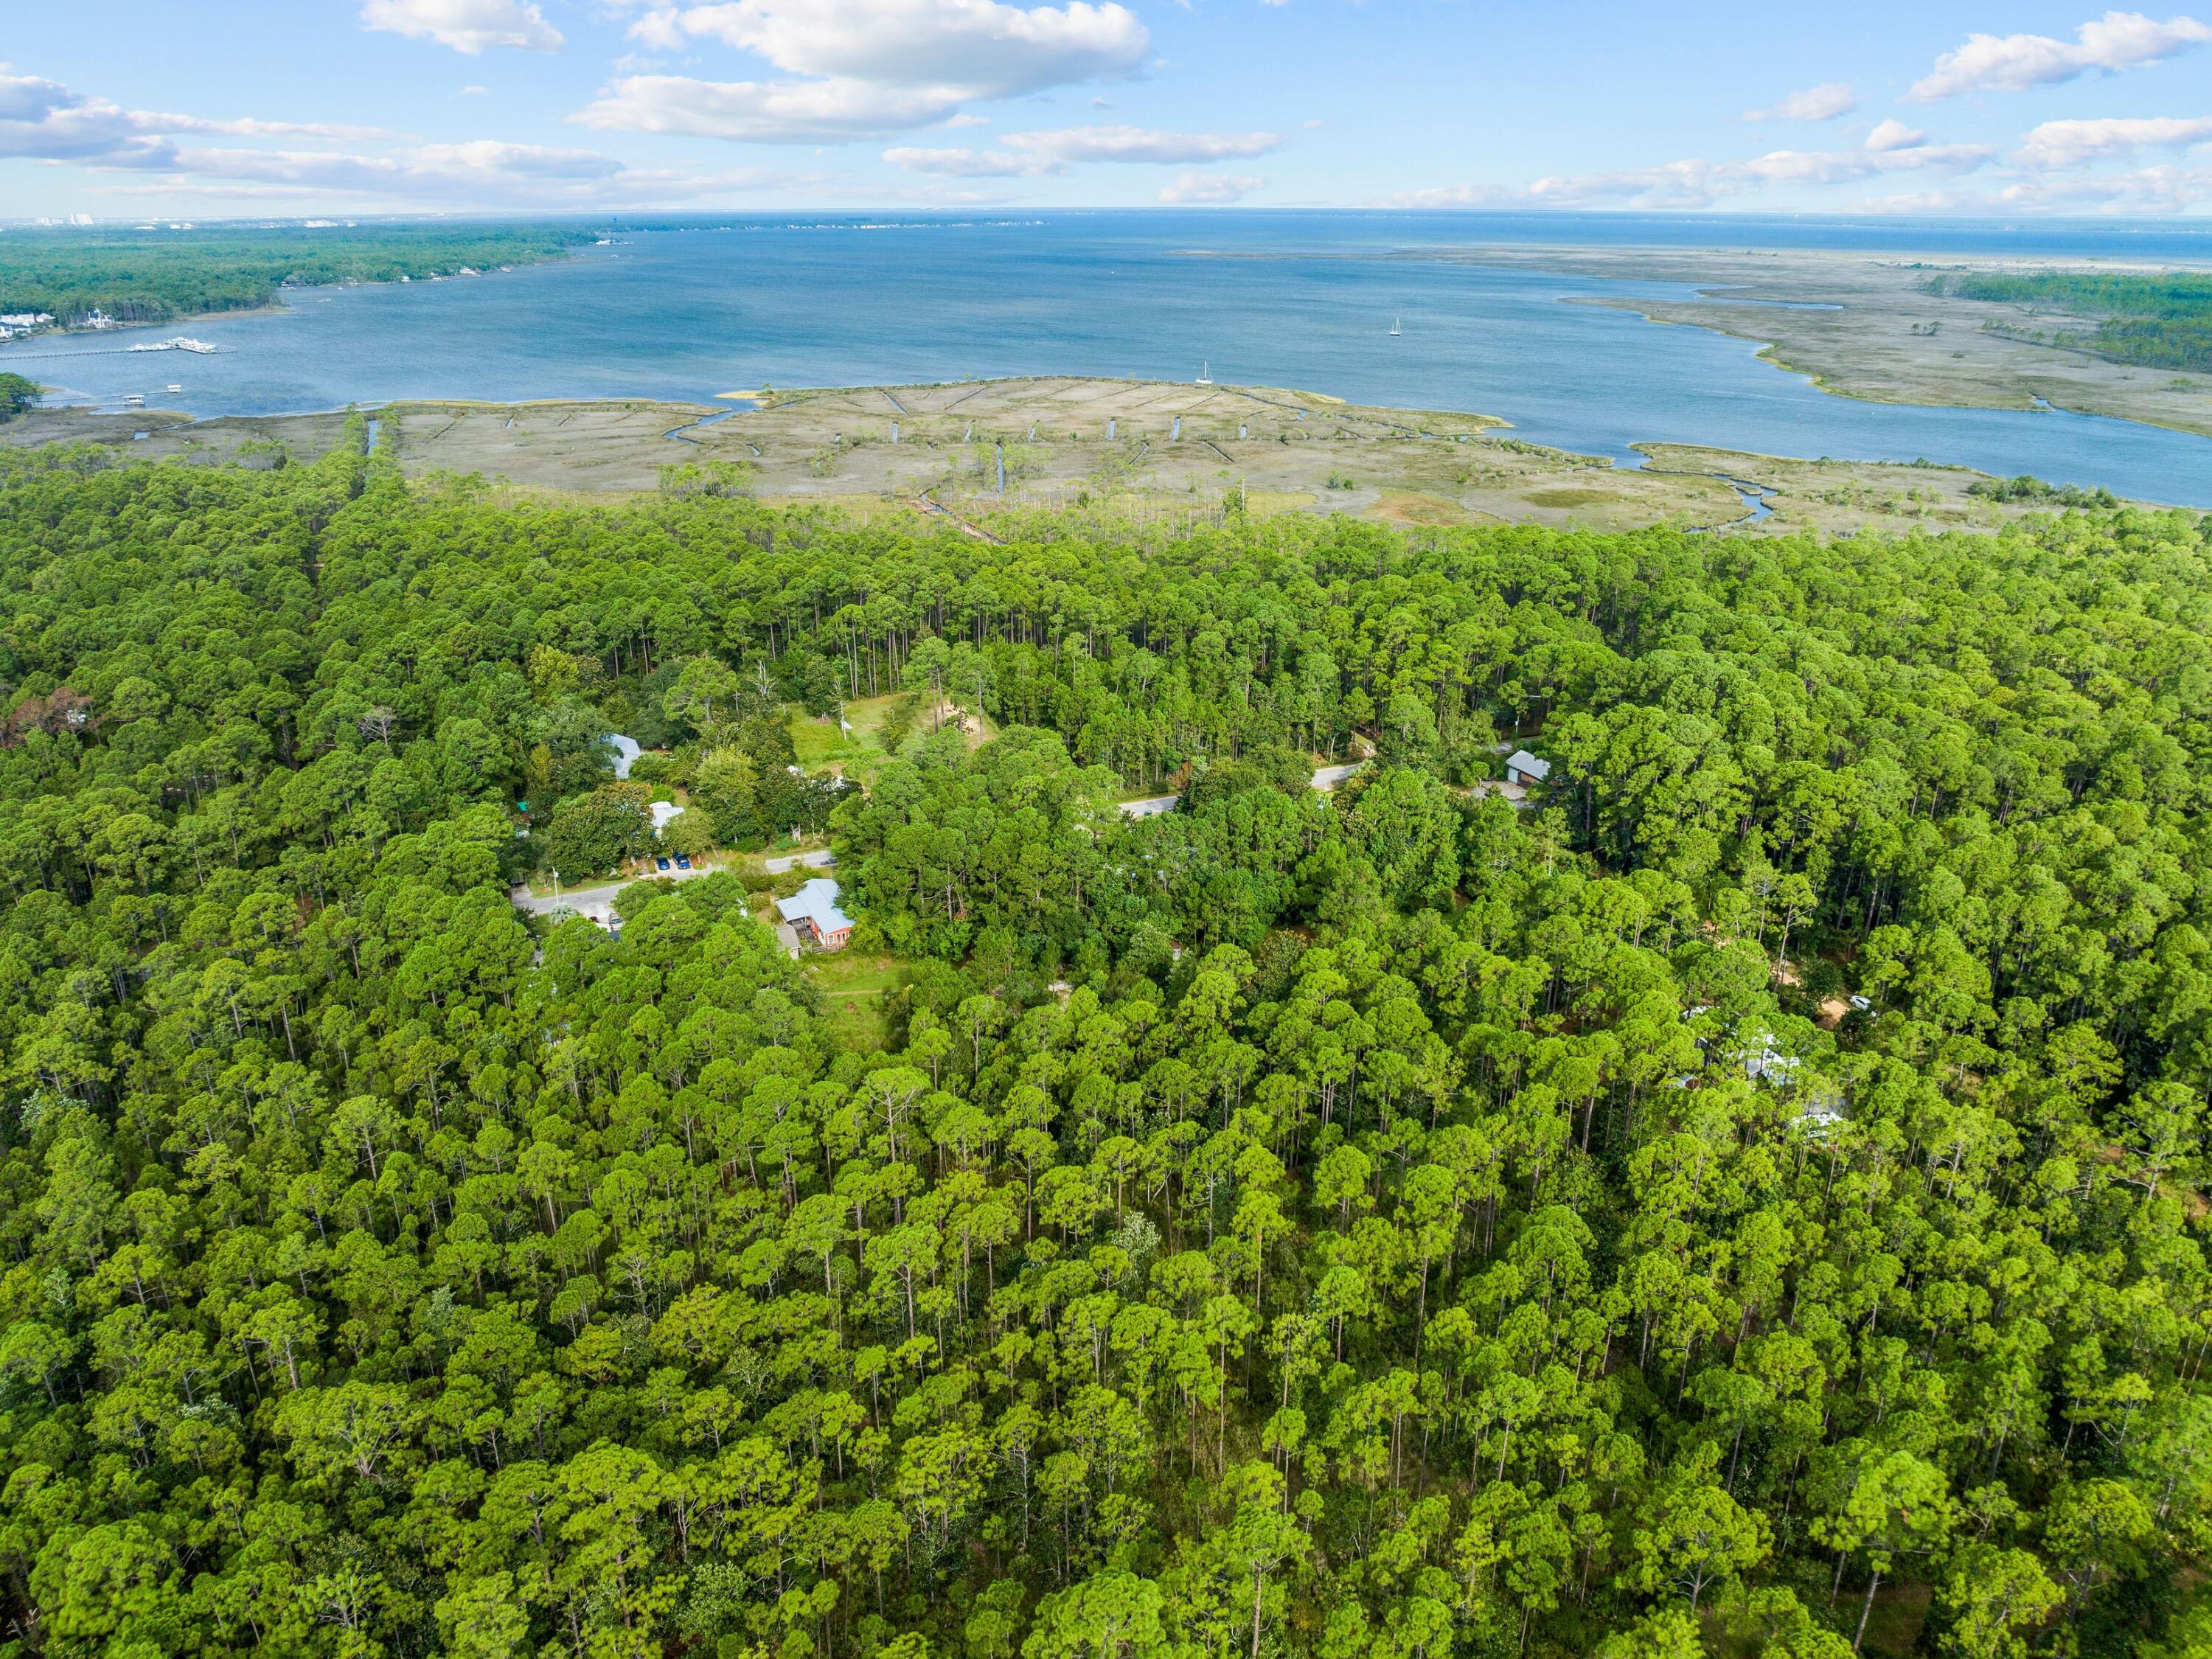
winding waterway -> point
(688, 313)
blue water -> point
(1296, 300)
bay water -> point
(680, 308)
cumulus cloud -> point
(768, 112)
(997, 51)
(43, 120)
(1894, 135)
(2011, 62)
(1827, 102)
(466, 26)
(872, 67)
(1210, 188)
(2057, 144)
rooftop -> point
(816, 902)
(1521, 761)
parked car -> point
(683, 861)
(660, 864)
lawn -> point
(854, 987)
(857, 753)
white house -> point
(665, 812)
(1525, 770)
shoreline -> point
(1487, 427)
(1179, 455)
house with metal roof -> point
(1525, 770)
(813, 915)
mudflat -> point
(1864, 326)
(1175, 453)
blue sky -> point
(251, 107)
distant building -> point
(665, 812)
(1525, 770)
(26, 319)
(813, 915)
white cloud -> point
(249, 128)
(428, 167)
(2147, 190)
(1894, 135)
(768, 112)
(994, 51)
(1210, 190)
(874, 67)
(2011, 62)
(466, 26)
(1126, 143)
(43, 120)
(481, 173)
(1034, 155)
(1827, 102)
(1698, 184)
(2068, 143)
(971, 163)
(474, 92)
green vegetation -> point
(2029, 488)
(2162, 320)
(1751, 1202)
(150, 276)
(16, 395)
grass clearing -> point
(856, 987)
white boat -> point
(1394, 330)
(178, 343)
(174, 388)
(1204, 373)
(134, 400)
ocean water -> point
(683, 310)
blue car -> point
(683, 860)
(660, 864)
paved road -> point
(1325, 778)
(596, 902)
(820, 858)
(1151, 807)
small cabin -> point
(812, 914)
(1525, 770)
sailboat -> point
(1394, 330)
(1205, 373)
